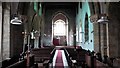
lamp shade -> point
(103, 19)
(16, 21)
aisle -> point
(59, 60)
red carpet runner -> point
(59, 60)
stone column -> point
(107, 33)
(67, 31)
(6, 32)
(0, 34)
(42, 30)
(74, 35)
(103, 39)
(96, 37)
(36, 41)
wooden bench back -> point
(42, 53)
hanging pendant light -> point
(103, 19)
(16, 21)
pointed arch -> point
(59, 16)
(95, 8)
(60, 12)
(92, 8)
(60, 23)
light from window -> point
(59, 28)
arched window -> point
(86, 28)
(59, 28)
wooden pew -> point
(116, 62)
(43, 55)
(69, 60)
(81, 57)
(10, 61)
(72, 53)
(31, 60)
(19, 64)
(6, 63)
(88, 60)
(77, 55)
(98, 64)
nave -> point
(57, 57)
(60, 34)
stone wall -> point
(88, 45)
(113, 29)
(49, 14)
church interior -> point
(59, 34)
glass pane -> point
(59, 28)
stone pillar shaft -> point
(0, 34)
(6, 32)
(96, 37)
(103, 39)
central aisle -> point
(59, 60)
